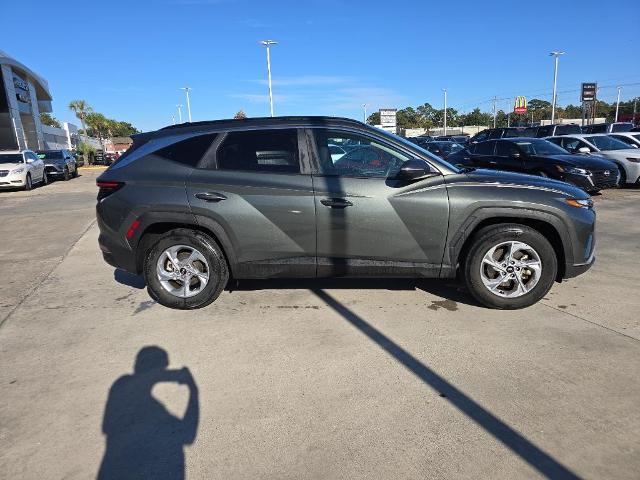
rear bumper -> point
(115, 252)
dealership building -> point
(23, 95)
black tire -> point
(75, 171)
(66, 175)
(45, 179)
(493, 235)
(28, 184)
(623, 177)
(218, 269)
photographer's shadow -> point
(143, 439)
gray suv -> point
(191, 206)
(59, 163)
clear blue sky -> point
(128, 59)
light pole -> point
(555, 55)
(173, 118)
(495, 111)
(364, 114)
(618, 103)
(179, 107)
(445, 110)
(187, 90)
(268, 43)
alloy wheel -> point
(183, 271)
(510, 269)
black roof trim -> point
(249, 123)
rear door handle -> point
(210, 196)
(336, 202)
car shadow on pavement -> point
(447, 289)
(129, 279)
(537, 458)
(143, 439)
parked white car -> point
(630, 138)
(21, 169)
(626, 157)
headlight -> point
(573, 170)
(16, 170)
(585, 203)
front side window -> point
(482, 136)
(544, 131)
(540, 147)
(627, 140)
(363, 157)
(496, 134)
(273, 151)
(568, 129)
(506, 149)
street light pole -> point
(618, 103)
(179, 107)
(364, 115)
(556, 55)
(187, 90)
(173, 118)
(445, 110)
(268, 43)
(495, 111)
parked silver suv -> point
(59, 163)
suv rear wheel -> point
(509, 266)
(185, 269)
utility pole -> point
(173, 118)
(187, 90)
(618, 104)
(445, 110)
(556, 55)
(268, 43)
(364, 115)
(495, 112)
(634, 111)
(179, 107)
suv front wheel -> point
(185, 269)
(509, 266)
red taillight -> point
(133, 228)
(107, 188)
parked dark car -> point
(421, 140)
(443, 148)
(461, 139)
(607, 127)
(191, 206)
(540, 157)
(59, 163)
(495, 133)
(552, 130)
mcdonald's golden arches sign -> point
(520, 106)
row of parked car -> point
(593, 158)
(23, 169)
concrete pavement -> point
(331, 379)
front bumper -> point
(16, 180)
(572, 271)
(593, 182)
(54, 169)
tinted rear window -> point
(188, 152)
(621, 127)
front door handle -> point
(210, 196)
(336, 202)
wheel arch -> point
(154, 230)
(547, 224)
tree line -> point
(94, 124)
(425, 116)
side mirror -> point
(584, 150)
(415, 169)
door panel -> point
(367, 221)
(269, 217)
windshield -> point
(423, 152)
(50, 155)
(10, 158)
(605, 143)
(540, 147)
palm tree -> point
(81, 108)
